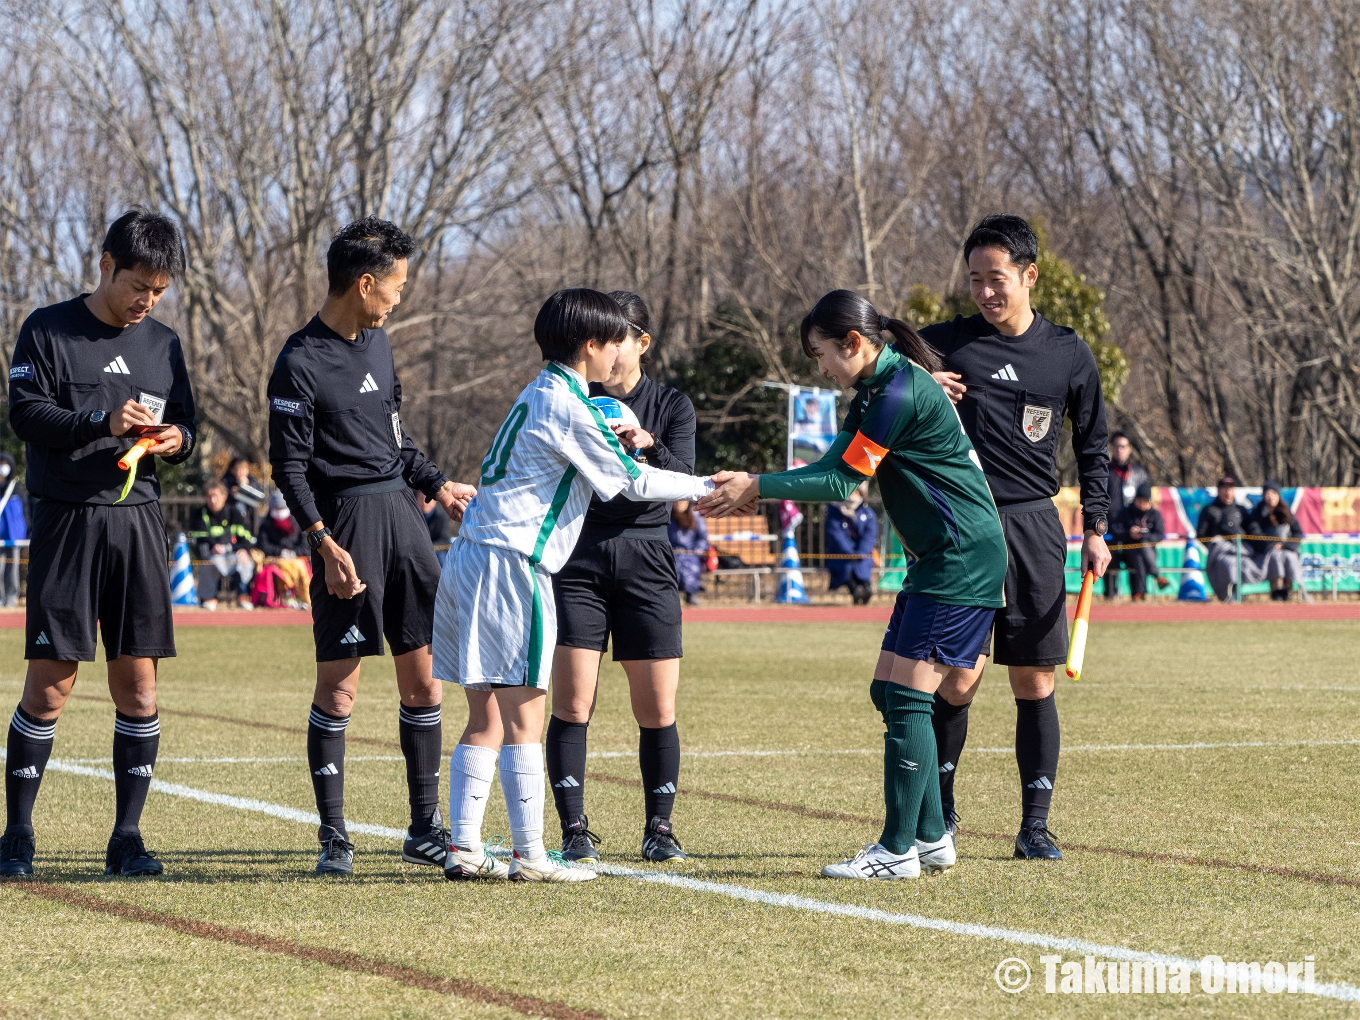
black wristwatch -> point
(1098, 525)
(315, 538)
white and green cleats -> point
(465, 865)
(548, 868)
(876, 862)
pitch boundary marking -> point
(1330, 990)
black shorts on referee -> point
(620, 580)
(386, 536)
(1032, 628)
(104, 567)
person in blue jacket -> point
(852, 529)
(13, 528)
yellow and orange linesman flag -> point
(128, 462)
(1076, 651)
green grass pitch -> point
(1249, 852)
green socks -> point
(911, 782)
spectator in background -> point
(223, 539)
(13, 528)
(244, 489)
(1125, 477)
(286, 551)
(1280, 560)
(437, 521)
(851, 528)
(1139, 524)
(1219, 524)
(689, 540)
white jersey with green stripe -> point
(551, 452)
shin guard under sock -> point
(421, 736)
(911, 785)
(326, 759)
(1036, 753)
(135, 743)
(566, 760)
(471, 770)
(950, 723)
(522, 784)
(27, 749)
(659, 759)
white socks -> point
(471, 770)
(522, 783)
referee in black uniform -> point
(621, 580)
(1014, 376)
(347, 469)
(89, 377)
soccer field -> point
(1206, 805)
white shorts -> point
(495, 620)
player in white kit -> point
(495, 623)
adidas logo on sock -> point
(668, 788)
(144, 771)
(1041, 783)
(946, 767)
(352, 637)
(1007, 373)
(369, 385)
(27, 772)
(566, 784)
(42, 639)
(328, 769)
(117, 366)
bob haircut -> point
(571, 317)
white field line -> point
(1328, 990)
(163, 760)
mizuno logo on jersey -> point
(144, 771)
(352, 637)
(566, 784)
(907, 764)
(328, 769)
(117, 366)
(668, 788)
(369, 385)
(1007, 373)
(27, 772)
(1041, 783)
(42, 639)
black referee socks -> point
(659, 759)
(135, 743)
(422, 739)
(950, 723)
(566, 763)
(1036, 752)
(326, 759)
(27, 750)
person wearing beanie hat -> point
(1138, 525)
(1278, 560)
(284, 544)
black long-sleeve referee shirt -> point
(669, 416)
(335, 420)
(69, 373)
(1019, 390)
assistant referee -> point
(347, 471)
(89, 377)
(1015, 376)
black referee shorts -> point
(1032, 629)
(618, 584)
(98, 566)
(387, 538)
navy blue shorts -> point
(924, 629)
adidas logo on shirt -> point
(117, 366)
(1007, 373)
(144, 771)
(369, 385)
(27, 772)
(352, 637)
(327, 770)
(668, 788)
(566, 784)
(1041, 783)
(42, 639)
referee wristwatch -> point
(315, 538)
(1098, 525)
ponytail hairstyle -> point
(639, 320)
(838, 313)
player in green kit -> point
(902, 429)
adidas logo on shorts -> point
(1041, 783)
(352, 637)
(369, 385)
(27, 772)
(565, 784)
(144, 771)
(668, 788)
(328, 769)
(42, 639)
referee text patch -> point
(284, 406)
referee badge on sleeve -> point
(1035, 422)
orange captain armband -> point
(864, 455)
